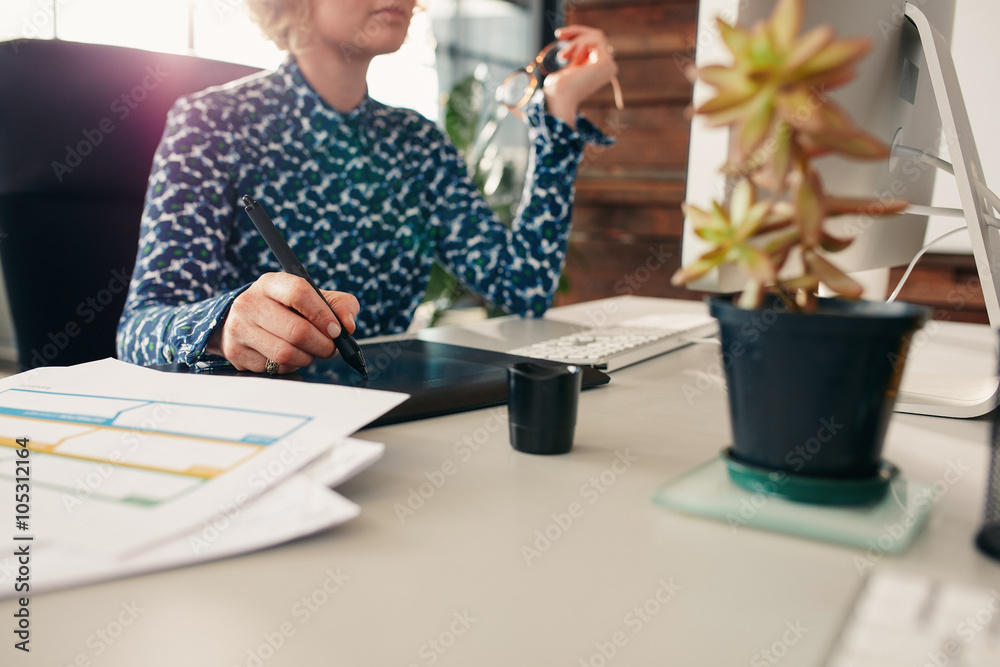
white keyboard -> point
(626, 343)
(906, 620)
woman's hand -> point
(591, 67)
(281, 318)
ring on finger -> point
(271, 367)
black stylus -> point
(348, 347)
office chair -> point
(79, 124)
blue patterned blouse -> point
(366, 199)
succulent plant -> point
(773, 97)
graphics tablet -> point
(440, 378)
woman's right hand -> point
(591, 66)
(280, 317)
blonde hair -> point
(284, 22)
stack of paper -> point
(129, 469)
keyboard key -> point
(909, 620)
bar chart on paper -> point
(123, 458)
(131, 451)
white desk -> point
(453, 574)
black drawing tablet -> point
(440, 378)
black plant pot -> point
(810, 395)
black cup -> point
(542, 401)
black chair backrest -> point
(79, 124)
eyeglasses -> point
(516, 90)
(520, 85)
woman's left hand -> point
(591, 67)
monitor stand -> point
(930, 392)
(945, 373)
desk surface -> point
(469, 553)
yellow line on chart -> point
(200, 471)
(128, 429)
(35, 446)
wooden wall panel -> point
(646, 138)
(640, 29)
(947, 283)
(628, 223)
(627, 214)
(600, 267)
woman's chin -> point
(381, 44)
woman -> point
(366, 195)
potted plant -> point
(811, 380)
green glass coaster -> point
(886, 526)
(814, 490)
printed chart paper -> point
(123, 458)
(297, 507)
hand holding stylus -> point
(281, 317)
(344, 342)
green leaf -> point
(753, 220)
(728, 105)
(808, 46)
(836, 55)
(756, 264)
(752, 296)
(853, 143)
(462, 112)
(779, 248)
(724, 77)
(786, 19)
(737, 40)
(762, 54)
(830, 275)
(769, 227)
(871, 207)
(831, 243)
(741, 200)
(799, 108)
(757, 124)
(809, 209)
(712, 227)
(781, 158)
(700, 267)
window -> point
(217, 29)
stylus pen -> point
(348, 347)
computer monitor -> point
(883, 99)
(905, 86)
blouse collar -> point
(301, 97)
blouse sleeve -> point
(182, 285)
(516, 268)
